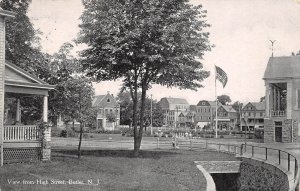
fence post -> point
(296, 169)
(191, 144)
(219, 147)
(242, 149)
(252, 150)
(157, 142)
(228, 148)
(289, 162)
(234, 149)
(266, 153)
(279, 158)
(206, 144)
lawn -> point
(111, 170)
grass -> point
(112, 170)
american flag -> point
(221, 76)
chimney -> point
(3, 15)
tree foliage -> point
(144, 42)
(22, 40)
(224, 99)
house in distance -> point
(108, 111)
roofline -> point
(30, 85)
(25, 73)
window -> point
(108, 100)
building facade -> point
(227, 117)
(172, 107)
(282, 113)
(205, 112)
(108, 111)
(252, 116)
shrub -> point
(259, 133)
(63, 133)
(222, 136)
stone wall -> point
(288, 129)
(257, 175)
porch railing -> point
(278, 113)
(21, 133)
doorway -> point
(278, 131)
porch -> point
(276, 99)
(25, 106)
(21, 143)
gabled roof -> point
(228, 108)
(16, 76)
(97, 99)
(259, 105)
(177, 101)
(283, 67)
(183, 114)
(105, 101)
(256, 105)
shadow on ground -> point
(72, 153)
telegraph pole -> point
(151, 118)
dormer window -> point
(108, 100)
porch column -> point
(18, 112)
(274, 98)
(289, 107)
(267, 98)
(45, 109)
(46, 148)
(278, 100)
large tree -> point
(22, 40)
(144, 42)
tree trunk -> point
(80, 139)
(138, 141)
(134, 95)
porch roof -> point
(18, 80)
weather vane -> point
(272, 42)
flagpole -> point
(216, 103)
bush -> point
(102, 131)
(63, 133)
(222, 136)
(68, 132)
(259, 133)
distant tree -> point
(78, 101)
(144, 42)
(111, 117)
(237, 106)
(126, 113)
(224, 99)
(262, 99)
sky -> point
(241, 31)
